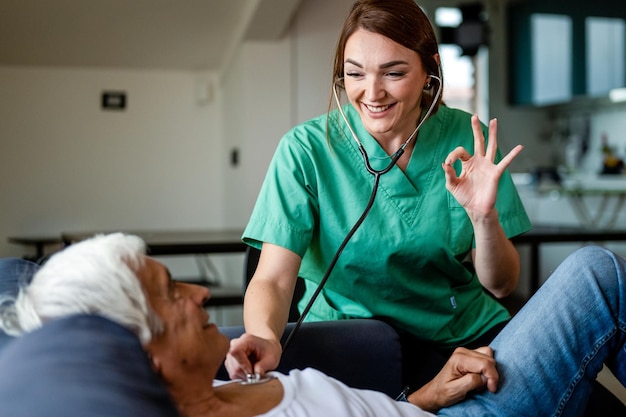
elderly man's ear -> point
(156, 363)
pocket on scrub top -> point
(461, 232)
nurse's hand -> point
(252, 354)
(477, 185)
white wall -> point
(316, 29)
(67, 165)
(270, 87)
(257, 112)
(165, 162)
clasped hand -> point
(466, 371)
(477, 185)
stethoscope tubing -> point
(400, 151)
(333, 262)
(377, 174)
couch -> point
(87, 365)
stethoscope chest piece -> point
(254, 379)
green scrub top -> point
(408, 262)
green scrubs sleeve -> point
(286, 209)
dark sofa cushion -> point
(362, 353)
(13, 273)
(79, 366)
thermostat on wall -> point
(113, 100)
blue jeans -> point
(551, 352)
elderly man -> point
(110, 276)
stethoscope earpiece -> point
(339, 83)
(429, 85)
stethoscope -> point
(400, 151)
(377, 173)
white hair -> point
(95, 276)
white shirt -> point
(311, 393)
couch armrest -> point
(362, 353)
(82, 365)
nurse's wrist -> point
(479, 219)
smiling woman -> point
(421, 246)
(381, 87)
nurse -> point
(434, 253)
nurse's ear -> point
(428, 84)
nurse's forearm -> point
(266, 309)
(496, 259)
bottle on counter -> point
(611, 163)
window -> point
(465, 77)
(551, 46)
(605, 54)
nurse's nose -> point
(374, 89)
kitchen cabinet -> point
(558, 51)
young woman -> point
(433, 253)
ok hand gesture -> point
(477, 185)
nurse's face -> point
(384, 82)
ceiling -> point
(196, 35)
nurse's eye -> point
(353, 74)
(395, 74)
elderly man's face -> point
(189, 341)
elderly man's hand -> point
(465, 371)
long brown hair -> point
(402, 21)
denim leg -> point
(550, 353)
